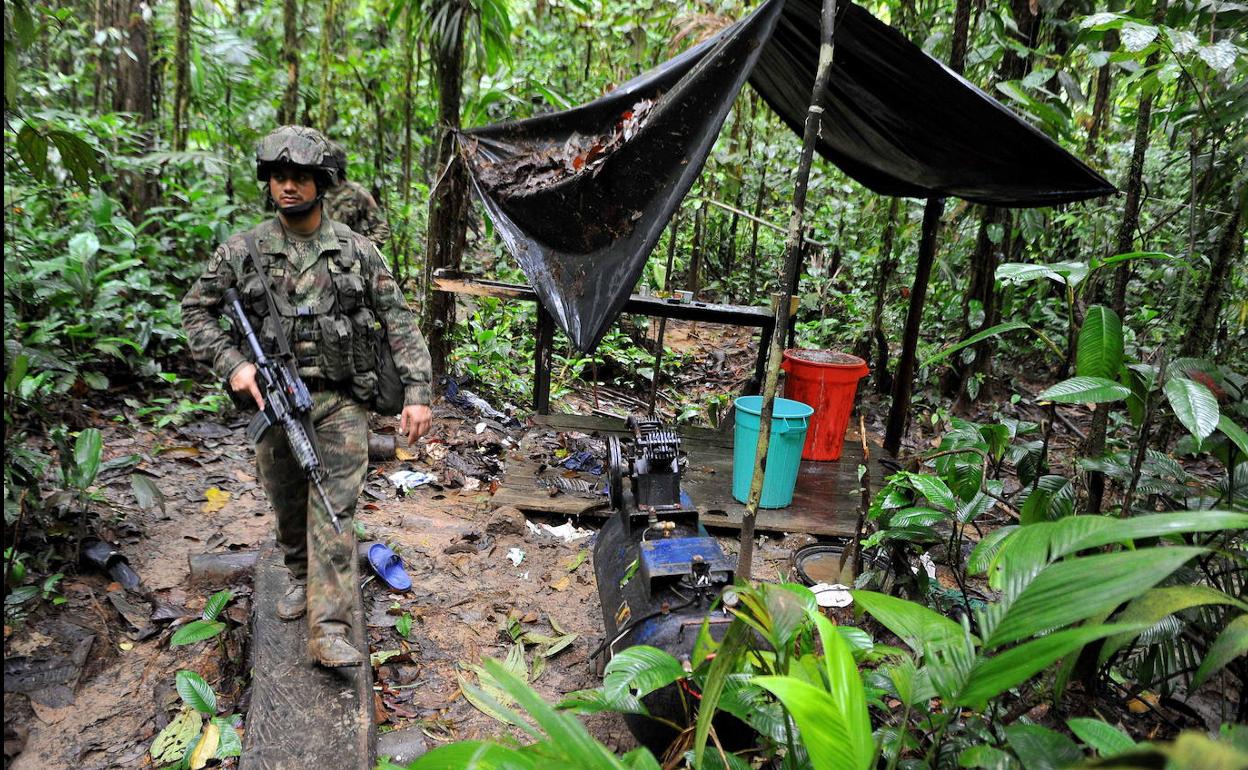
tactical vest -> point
(335, 338)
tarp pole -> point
(792, 264)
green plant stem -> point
(904, 728)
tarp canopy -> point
(581, 197)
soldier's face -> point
(291, 185)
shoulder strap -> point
(266, 281)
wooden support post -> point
(792, 267)
(903, 382)
(542, 357)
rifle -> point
(286, 403)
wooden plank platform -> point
(825, 502)
(302, 715)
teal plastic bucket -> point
(784, 455)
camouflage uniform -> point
(355, 207)
(303, 273)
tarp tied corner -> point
(581, 197)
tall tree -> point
(325, 103)
(181, 74)
(289, 110)
(448, 200)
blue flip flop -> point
(388, 566)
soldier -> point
(348, 202)
(330, 287)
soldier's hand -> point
(415, 421)
(244, 381)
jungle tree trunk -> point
(399, 253)
(884, 271)
(903, 381)
(448, 201)
(181, 75)
(752, 287)
(326, 99)
(1200, 335)
(1128, 224)
(694, 278)
(135, 80)
(290, 55)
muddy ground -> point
(99, 687)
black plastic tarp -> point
(581, 197)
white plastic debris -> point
(480, 428)
(567, 533)
(832, 595)
(411, 479)
(516, 556)
(929, 566)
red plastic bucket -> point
(828, 381)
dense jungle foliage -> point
(1119, 574)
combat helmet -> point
(338, 159)
(298, 146)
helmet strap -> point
(300, 210)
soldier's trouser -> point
(313, 551)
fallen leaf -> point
(562, 583)
(207, 748)
(178, 452)
(217, 498)
(127, 646)
(402, 454)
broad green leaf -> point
(640, 670)
(216, 603)
(985, 757)
(1160, 602)
(1230, 644)
(985, 551)
(975, 339)
(32, 148)
(1084, 390)
(1040, 748)
(1136, 37)
(1028, 549)
(994, 675)
(1103, 738)
(196, 693)
(1100, 344)
(595, 701)
(563, 730)
(934, 489)
(819, 719)
(230, 744)
(725, 660)
(474, 755)
(844, 684)
(915, 624)
(83, 246)
(196, 631)
(87, 450)
(1236, 434)
(1194, 405)
(1071, 590)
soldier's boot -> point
(333, 651)
(294, 603)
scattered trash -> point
(832, 595)
(584, 461)
(388, 566)
(382, 447)
(929, 566)
(567, 533)
(411, 479)
(466, 399)
(104, 556)
(516, 556)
